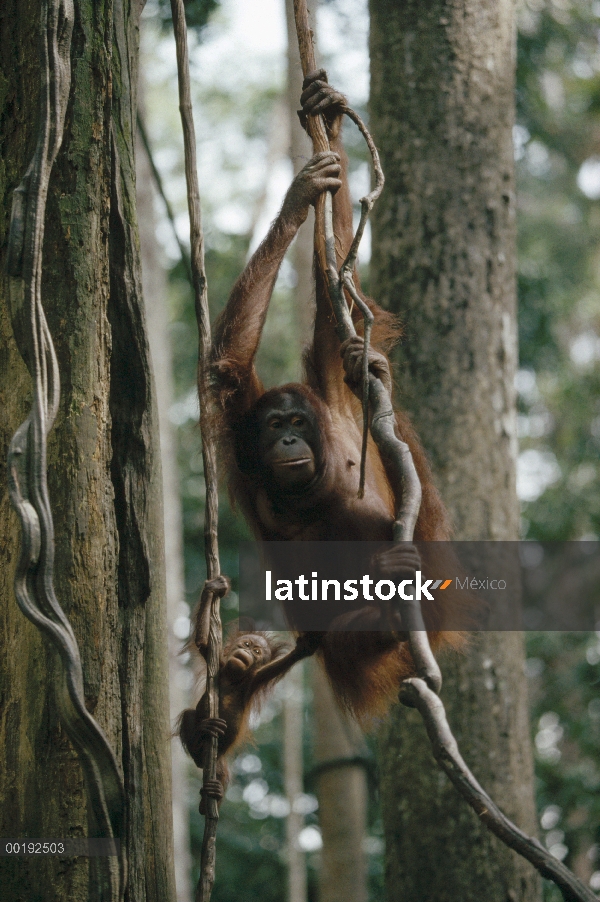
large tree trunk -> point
(442, 99)
(104, 471)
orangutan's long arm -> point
(238, 329)
(306, 645)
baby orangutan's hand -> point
(218, 586)
(213, 727)
(212, 789)
(308, 643)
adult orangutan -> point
(293, 452)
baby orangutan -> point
(251, 663)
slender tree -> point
(103, 470)
(293, 767)
(442, 104)
(342, 794)
(155, 289)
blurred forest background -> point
(239, 82)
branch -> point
(416, 694)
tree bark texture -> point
(104, 469)
(442, 107)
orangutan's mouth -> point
(244, 656)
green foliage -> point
(558, 114)
(564, 671)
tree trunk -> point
(104, 471)
(155, 290)
(293, 766)
(342, 794)
(442, 103)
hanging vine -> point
(214, 639)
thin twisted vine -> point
(211, 514)
(34, 585)
(183, 251)
(421, 692)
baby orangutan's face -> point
(248, 653)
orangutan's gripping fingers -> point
(354, 367)
(213, 789)
(325, 101)
(328, 184)
(219, 586)
(313, 93)
(407, 555)
(352, 354)
(317, 75)
(329, 167)
(325, 169)
(308, 643)
(316, 88)
(320, 174)
(400, 560)
(213, 727)
(321, 158)
(320, 98)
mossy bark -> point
(104, 469)
(442, 106)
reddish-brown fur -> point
(365, 668)
(240, 693)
